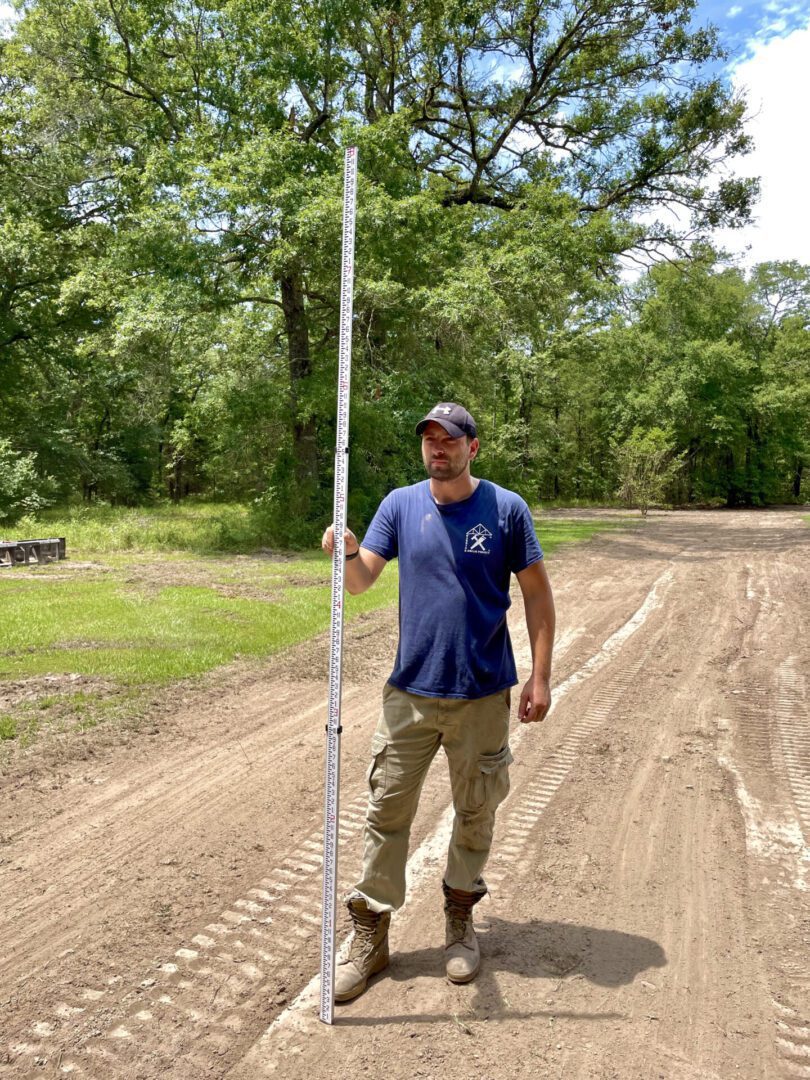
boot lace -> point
(458, 906)
(457, 924)
(365, 927)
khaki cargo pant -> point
(475, 737)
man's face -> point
(446, 458)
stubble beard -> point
(450, 471)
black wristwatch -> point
(353, 555)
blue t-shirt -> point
(455, 562)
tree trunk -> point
(692, 468)
(525, 410)
(176, 480)
(304, 447)
(797, 478)
(732, 489)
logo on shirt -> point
(477, 539)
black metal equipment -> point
(31, 552)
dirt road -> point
(649, 913)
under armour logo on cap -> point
(454, 418)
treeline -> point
(170, 182)
(705, 363)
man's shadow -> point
(546, 951)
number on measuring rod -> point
(333, 728)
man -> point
(458, 540)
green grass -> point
(202, 528)
(73, 711)
(554, 533)
(583, 504)
(8, 726)
(139, 606)
(109, 629)
(209, 528)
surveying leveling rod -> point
(333, 728)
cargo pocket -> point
(494, 769)
(378, 769)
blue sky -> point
(769, 46)
(743, 24)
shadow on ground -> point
(546, 951)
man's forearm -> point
(362, 567)
(540, 623)
(359, 574)
(538, 601)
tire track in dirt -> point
(516, 821)
(673, 873)
(196, 786)
(217, 983)
(792, 722)
(766, 749)
(259, 939)
(648, 815)
(521, 820)
(200, 973)
(152, 994)
(223, 997)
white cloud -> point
(776, 80)
(733, 12)
(782, 9)
(7, 16)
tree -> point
(23, 489)
(505, 151)
(783, 340)
(647, 466)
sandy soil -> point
(649, 914)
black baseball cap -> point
(455, 420)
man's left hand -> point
(535, 700)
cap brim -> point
(451, 429)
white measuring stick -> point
(331, 808)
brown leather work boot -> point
(462, 956)
(368, 953)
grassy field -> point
(148, 597)
(197, 527)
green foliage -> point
(171, 187)
(646, 466)
(8, 727)
(23, 490)
(72, 710)
(201, 528)
(703, 357)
